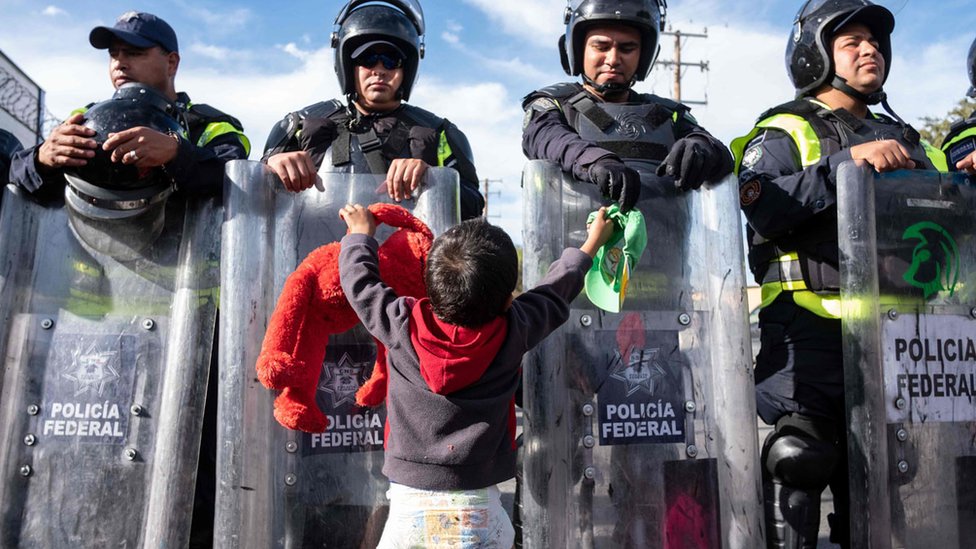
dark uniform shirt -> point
(197, 169)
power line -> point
(677, 64)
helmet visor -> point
(411, 8)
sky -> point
(261, 60)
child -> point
(454, 360)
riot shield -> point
(908, 288)
(640, 426)
(105, 369)
(277, 487)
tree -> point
(935, 129)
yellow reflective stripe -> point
(80, 110)
(216, 129)
(444, 151)
(86, 269)
(968, 132)
(936, 157)
(825, 306)
(738, 147)
(801, 132)
(805, 139)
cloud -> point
(450, 38)
(223, 22)
(53, 11)
(538, 22)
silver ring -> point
(133, 155)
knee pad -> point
(798, 459)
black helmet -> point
(646, 16)
(117, 208)
(398, 22)
(972, 70)
(809, 60)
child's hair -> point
(472, 270)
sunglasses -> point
(390, 61)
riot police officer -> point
(142, 49)
(118, 182)
(601, 130)
(838, 56)
(378, 48)
(960, 144)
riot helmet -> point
(395, 23)
(809, 57)
(972, 70)
(646, 16)
(117, 208)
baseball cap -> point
(373, 43)
(608, 277)
(139, 29)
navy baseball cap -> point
(139, 29)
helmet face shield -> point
(809, 57)
(645, 16)
(399, 23)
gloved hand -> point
(690, 161)
(616, 181)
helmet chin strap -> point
(610, 88)
(868, 99)
(874, 98)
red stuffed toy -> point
(312, 306)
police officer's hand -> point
(690, 161)
(404, 177)
(967, 164)
(885, 156)
(142, 147)
(616, 181)
(70, 144)
(295, 169)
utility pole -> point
(488, 193)
(677, 64)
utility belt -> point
(815, 285)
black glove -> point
(616, 181)
(691, 161)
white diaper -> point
(446, 519)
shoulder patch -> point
(749, 192)
(752, 155)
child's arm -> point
(375, 303)
(358, 219)
(597, 233)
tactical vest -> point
(358, 148)
(807, 263)
(639, 133)
(961, 140)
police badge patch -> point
(752, 155)
(749, 192)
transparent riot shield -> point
(908, 285)
(105, 369)
(640, 426)
(277, 487)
